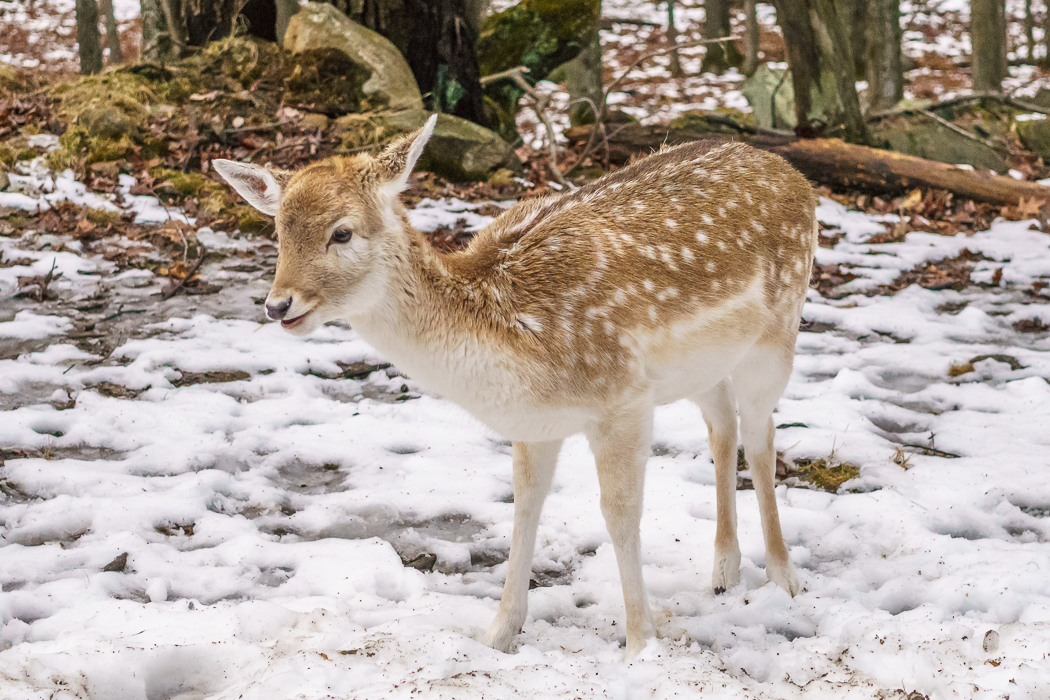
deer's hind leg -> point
(759, 381)
(719, 408)
(621, 443)
(534, 464)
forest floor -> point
(194, 504)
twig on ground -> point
(164, 296)
(48, 279)
(934, 450)
(120, 312)
(257, 127)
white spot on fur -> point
(687, 255)
(648, 284)
(710, 266)
(531, 322)
(671, 223)
(701, 238)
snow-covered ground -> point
(254, 507)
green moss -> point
(827, 474)
(537, 34)
(110, 104)
(78, 149)
(704, 123)
(187, 184)
(102, 217)
(7, 154)
(16, 81)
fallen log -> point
(831, 162)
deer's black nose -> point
(277, 311)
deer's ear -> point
(260, 186)
(398, 159)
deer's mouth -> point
(289, 323)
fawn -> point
(681, 276)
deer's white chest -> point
(487, 384)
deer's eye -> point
(342, 235)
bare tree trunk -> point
(856, 16)
(171, 27)
(1046, 34)
(751, 38)
(716, 24)
(988, 37)
(885, 71)
(672, 39)
(112, 33)
(89, 40)
(821, 66)
(583, 81)
(1029, 30)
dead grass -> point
(827, 474)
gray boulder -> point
(458, 150)
(320, 26)
(771, 95)
(919, 136)
(1035, 135)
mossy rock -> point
(107, 115)
(919, 136)
(327, 79)
(108, 105)
(1035, 135)
(771, 94)
(459, 150)
(17, 81)
(538, 34)
(390, 83)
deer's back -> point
(690, 251)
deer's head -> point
(339, 229)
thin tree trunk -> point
(751, 38)
(89, 40)
(1029, 30)
(885, 70)
(583, 81)
(988, 37)
(112, 33)
(721, 56)
(672, 39)
(1046, 33)
(821, 66)
(856, 14)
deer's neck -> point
(440, 322)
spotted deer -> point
(680, 276)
